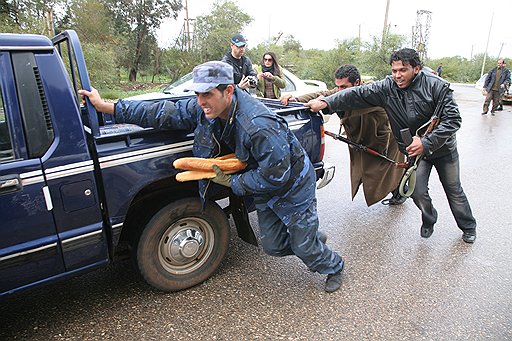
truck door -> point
(30, 250)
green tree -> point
(28, 16)
(136, 21)
(346, 52)
(291, 45)
(101, 65)
(374, 57)
(91, 20)
(176, 63)
(212, 32)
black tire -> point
(182, 245)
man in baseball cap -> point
(244, 74)
(210, 75)
(238, 40)
(279, 175)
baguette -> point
(197, 175)
(202, 164)
(227, 156)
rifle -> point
(408, 181)
(366, 149)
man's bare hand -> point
(244, 83)
(287, 98)
(97, 101)
(316, 105)
(415, 148)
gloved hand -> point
(221, 178)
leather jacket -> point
(409, 108)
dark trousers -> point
(495, 96)
(299, 238)
(449, 173)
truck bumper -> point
(327, 176)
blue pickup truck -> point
(77, 190)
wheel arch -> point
(148, 201)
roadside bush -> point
(101, 65)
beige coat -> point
(369, 127)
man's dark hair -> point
(406, 56)
(348, 71)
(222, 87)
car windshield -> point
(178, 85)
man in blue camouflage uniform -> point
(279, 174)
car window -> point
(290, 86)
(6, 152)
(178, 84)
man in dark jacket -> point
(279, 174)
(243, 73)
(369, 127)
(496, 82)
(411, 97)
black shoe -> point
(396, 199)
(469, 237)
(426, 230)
(500, 108)
(492, 114)
(333, 282)
(484, 113)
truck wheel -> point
(182, 245)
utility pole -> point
(359, 37)
(487, 45)
(51, 24)
(187, 27)
(186, 37)
(501, 48)
(384, 29)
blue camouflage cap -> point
(209, 75)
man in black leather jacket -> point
(243, 73)
(411, 97)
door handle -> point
(10, 183)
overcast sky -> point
(458, 27)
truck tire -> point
(182, 245)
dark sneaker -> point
(484, 113)
(500, 108)
(333, 281)
(469, 237)
(426, 230)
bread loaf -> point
(227, 156)
(200, 168)
(197, 175)
(201, 164)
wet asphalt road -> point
(397, 285)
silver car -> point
(294, 86)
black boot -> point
(396, 199)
